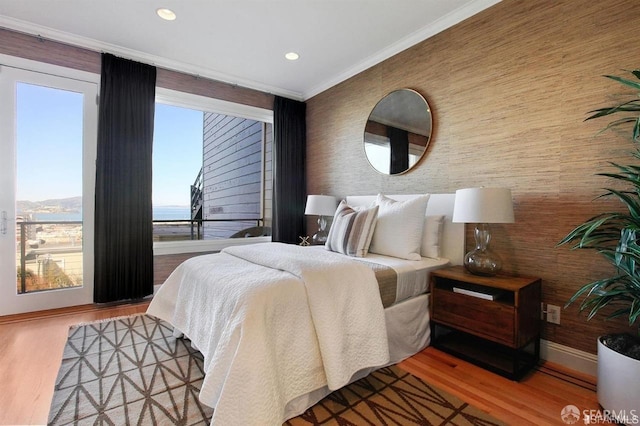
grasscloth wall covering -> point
(509, 89)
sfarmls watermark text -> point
(572, 415)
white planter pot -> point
(618, 384)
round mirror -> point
(397, 132)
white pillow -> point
(351, 230)
(399, 227)
(432, 236)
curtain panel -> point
(123, 218)
(289, 186)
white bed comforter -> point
(274, 322)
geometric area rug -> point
(132, 371)
(128, 371)
(391, 396)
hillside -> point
(61, 205)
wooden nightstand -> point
(493, 322)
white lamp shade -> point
(483, 205)
(321, 205)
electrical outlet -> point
(553, 314)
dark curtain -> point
(123, 218)
(399, 140)
(289, 188)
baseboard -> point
(568, 357)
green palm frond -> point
(630, 83)
(615, 235)
(631, 106)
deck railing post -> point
(23, 260)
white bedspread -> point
(274, 322)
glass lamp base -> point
(482, 262)
(319, 237)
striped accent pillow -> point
(352, 230)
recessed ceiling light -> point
(292, 56)
(166, 14)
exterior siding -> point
(232, 173)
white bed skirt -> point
(408, 332)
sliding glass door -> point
(48, 122)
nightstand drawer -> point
(484, 318)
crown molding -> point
(424, 33)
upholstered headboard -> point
(453, 234)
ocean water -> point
(57, 216)
(171, 212)
(159, 213)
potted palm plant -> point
(615, 235)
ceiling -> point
(244, 42)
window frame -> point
(206, 104)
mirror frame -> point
(418, 131)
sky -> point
(177, 154)
(49, 151)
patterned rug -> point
(132, 370)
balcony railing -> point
(49, 253)
(194, 229)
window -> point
(49, 187)
(177, 161)
(211, 169)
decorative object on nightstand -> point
(483, 206)
(321, 206)
(304, 241)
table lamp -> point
(483, 206)
(321, 206)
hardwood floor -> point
(32, 350)
(30, 356)
(537, 399)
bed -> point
(281, 326)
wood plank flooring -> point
(31, 351)
(537, 399)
